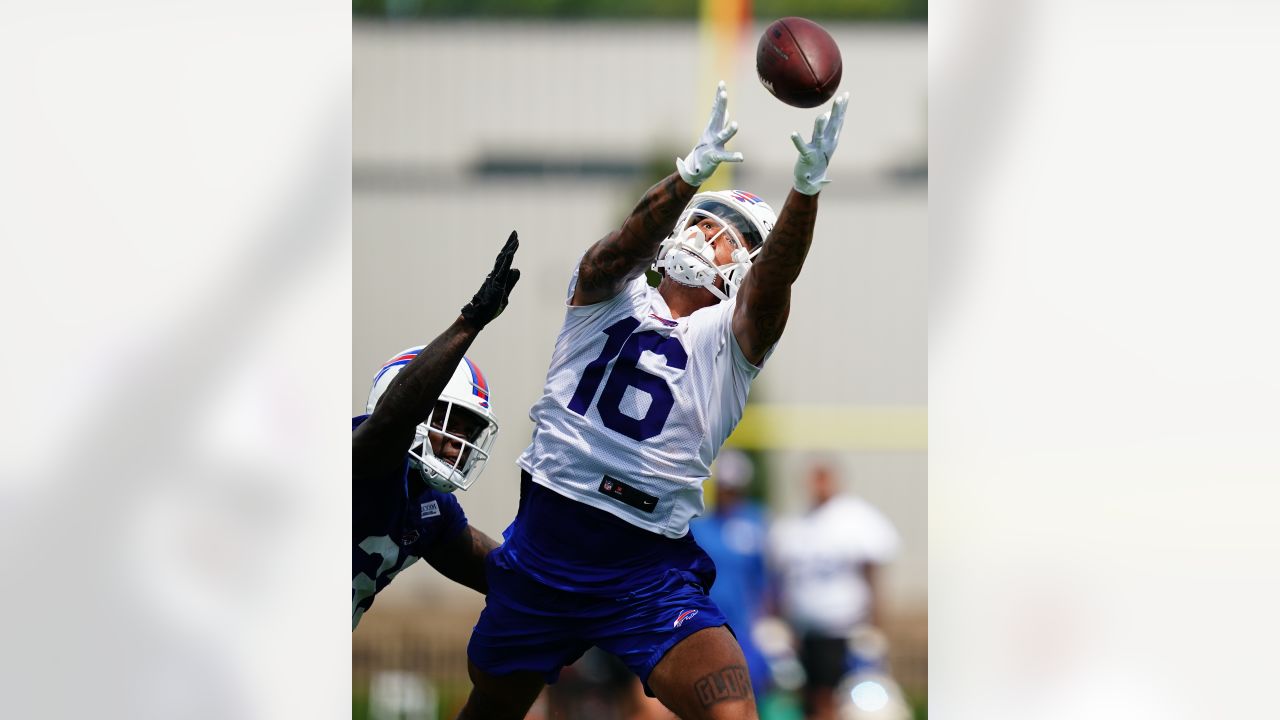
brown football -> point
(798, 62)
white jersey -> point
(820, 556)
(637, 405)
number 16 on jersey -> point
(627, 348)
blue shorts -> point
(529, 626)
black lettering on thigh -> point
(731, 683)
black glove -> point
(491, 298)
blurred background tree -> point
(874, 10)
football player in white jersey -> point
(427, 431)
(644, 387)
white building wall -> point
(432, 99)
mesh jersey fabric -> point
(634, 395)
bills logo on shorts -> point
(684, 616)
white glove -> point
(703, 159)
(811, 166)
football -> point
(798, 62)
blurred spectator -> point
(734, 534)
(828, 565)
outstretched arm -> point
(764, 300)
(622, 255)
(380, 442)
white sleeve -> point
(633, 293)
(718, 321)
(877, 538)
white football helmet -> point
(687, 255)
(467, 393)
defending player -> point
(644, 387)
(428, 432)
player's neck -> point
(683, 300)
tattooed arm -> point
(623, 254)
(764, 300)
(462, 558)
(379, 444)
